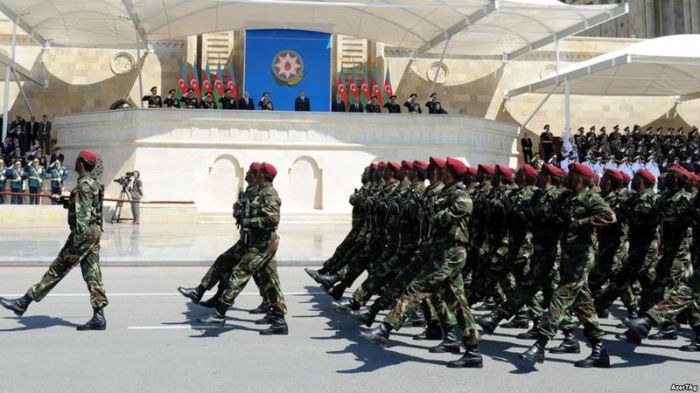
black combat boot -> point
(19, 306)
(278, 326)
(366, 315)
(378, 335)
(531, 334)
(337, 291)
(667, 331)
(194, 294)
(214, 300)
(345, 306)
(598, 357)
(266, 320)
(694, 345)
(218, 318)
(311, 272)
(535, 354)
(97, 322)
(488, 305)
(263, 308)
(471, 359)
(631, 314)
(449, 343)
(519, 321)
(638, 329)
(489, 322)
(431, 332)
(568, 345)
(417, 319)
(327, 282)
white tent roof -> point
(475, 27)
(666, 66)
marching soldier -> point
(82, 247)
(171, 100)
(154, 100)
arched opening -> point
(305, 184)
(225, 180)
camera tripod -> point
(117, 215)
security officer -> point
(82, 247)
(154, 100)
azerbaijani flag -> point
(364, 86)
(181, 84)
(353, 89)
(194, 81)
(218, 83)
(341, 87)
(387, 85)
(231, 80)
(206, 81)
(375, 87)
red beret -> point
(90, 157)
(647, 175)
(437, 162)
(471, 170)
(407, 164)
(505, 171)
(373, 166)
(615, 174)
(255, 166)
(488, 169)
(553, 170)
(269, 169)
(394, 166)
(679, 169)
(420, 164)
(381, 165)
(456, 166)
(583, 170)
(529, 170)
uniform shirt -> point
(435, 108)
(35, 176)
(84, 206)
(641, 217)
(154, 101)
(266, 106)
(390, 107)
(371, 108)
(3, 178)
(265, 215)
(412, 107)
(228, 103)
(16, 178)
(206, 104)
(454, 208)
(626, 168)
(637, 165)
(171, 102)
(190, 102)
(58, 176)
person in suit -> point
(526, 144)
(18, 122)
(338, 105)
(265, 104)
(32, 127)
(57, 155)
(171, 100)
(302, 103)
(245, 103)
(547, 143)
(434, 106)
(44, 133)
(356, 107)
(227, 101)
(391, 106)
(412, 105)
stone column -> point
(650, 28)
(668, 18)
(694, 16)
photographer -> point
(136, 195)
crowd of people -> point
(24, 167)
(302, 103)
(501, 236)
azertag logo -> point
(287, 68)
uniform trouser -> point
(493, 271)
(422, 257)
(87, 254)
(362, 261)
(33, 198)
(684, 296)
(639, 265)
(16, 199)
(384, 274)
(444, 277)
(56, 191)
(343, 247)
(136, 209)
(44, 142)
(609, 257)
(341, 263)
(257, 258)
(669, 271)
(220, 272)
(574, 295)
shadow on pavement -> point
(39, 322)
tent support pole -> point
(21, 90)
(6, 92)
(138, 65)
(437, 69)
(538, 108)
(567, 104)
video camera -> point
(125, 180)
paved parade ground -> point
(153, 344)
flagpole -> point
(138, 65)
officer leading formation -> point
(502, 236)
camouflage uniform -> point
(260, 251)
(358, 217)
(477, 233)
(445, 275)
(588, 211)
(83, 244)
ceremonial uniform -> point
(434, 107)
(206, 104)
(3, 183)
(154, 101)
(228, 103)
(371, 108)
(16, 177)
(58, 176)
(35, 178)
(190, 102)
(391, 107)
(171, 102)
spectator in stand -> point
(190, 100)
(227, 101)
(373, 106)
(246, 103)
(3, 180)
(35, 179)
(57, 155)
(6, 148)
(171, 100)
(32, 127)
(302, 103)
(18, 123)
(16, 177)
(208, 102)
(526, 145)
(17, 156)
(391, 106)
(434, 106)
(547, 143)
(44, 133)
(154, 100)
(412, 105)
(58, 175)
(265, 104)
(356, 107)
(338, 105)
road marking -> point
(143, 294)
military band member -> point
(208, 102)
(265, 104)
(227, 101)
(190, 100)
(82, 247)
(392, 106)
(154, 100)
(58, 175)
(373, 106)
(412, 105)
(434, 106)
(171, 100)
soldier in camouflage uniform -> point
(260, 249)
(82, 247)
(477, 225)
(220, 271)
(453, 209)
(587, 211)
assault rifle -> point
(241, 212)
